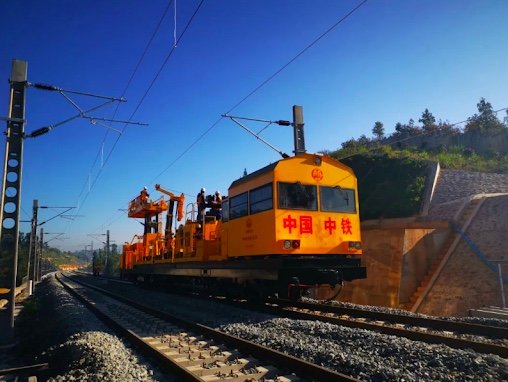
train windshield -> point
(297, 196)
(337, 199)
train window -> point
(238, 206)
(225, 210)
(337, 199)
(297, 196)
(261, 198)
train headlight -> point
(291, 244)
(353, 245)
(317, 161)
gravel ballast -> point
(367, 355)
(77, 346)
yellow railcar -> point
(285, 228)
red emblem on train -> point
(317, 175)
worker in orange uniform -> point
(201, 202)
(217, 205)
(143, 195)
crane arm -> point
(178, 199)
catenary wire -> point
(257, 88)
(140, 103)
(147, 46)
(143, 98)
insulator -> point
(38, 132)
(46, 87)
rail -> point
(295, 365)
(357, 318)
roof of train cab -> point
(271, 167)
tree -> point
(364, 141)
(378, 130)
(406, 130)
(485, 120)
(428, 122)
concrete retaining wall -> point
(396, 256)
(466, 282)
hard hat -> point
(144, 188)
(217, 193)
(203, 189)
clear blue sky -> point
(389, 61)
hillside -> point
(52, 258)
(392, 181)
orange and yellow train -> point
(288, 227)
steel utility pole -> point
(107, 251)
(39, 257)
(11, 191)
(32, 249)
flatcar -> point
(287, 228)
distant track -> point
(394, 324)
(194, 351)
(427, 322)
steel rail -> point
(414, 335)
(433, 323)
(285, 361)
(131, 336)
(23, 370)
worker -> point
(217, 205)
(201, 202)
(143, 195)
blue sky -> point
(388, 61)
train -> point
(287, 229)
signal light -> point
(295, 244)
(287, 244)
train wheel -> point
(294, 292)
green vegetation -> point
(109, 267)
(390, 185)
(392, 170)
(52, 258)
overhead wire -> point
(144, 96)
(169, 55)
(257, 88)
(262, 84)
(141, 100)
(138, 64)
(100, 152)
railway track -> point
(481, 338)
(193, 351)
